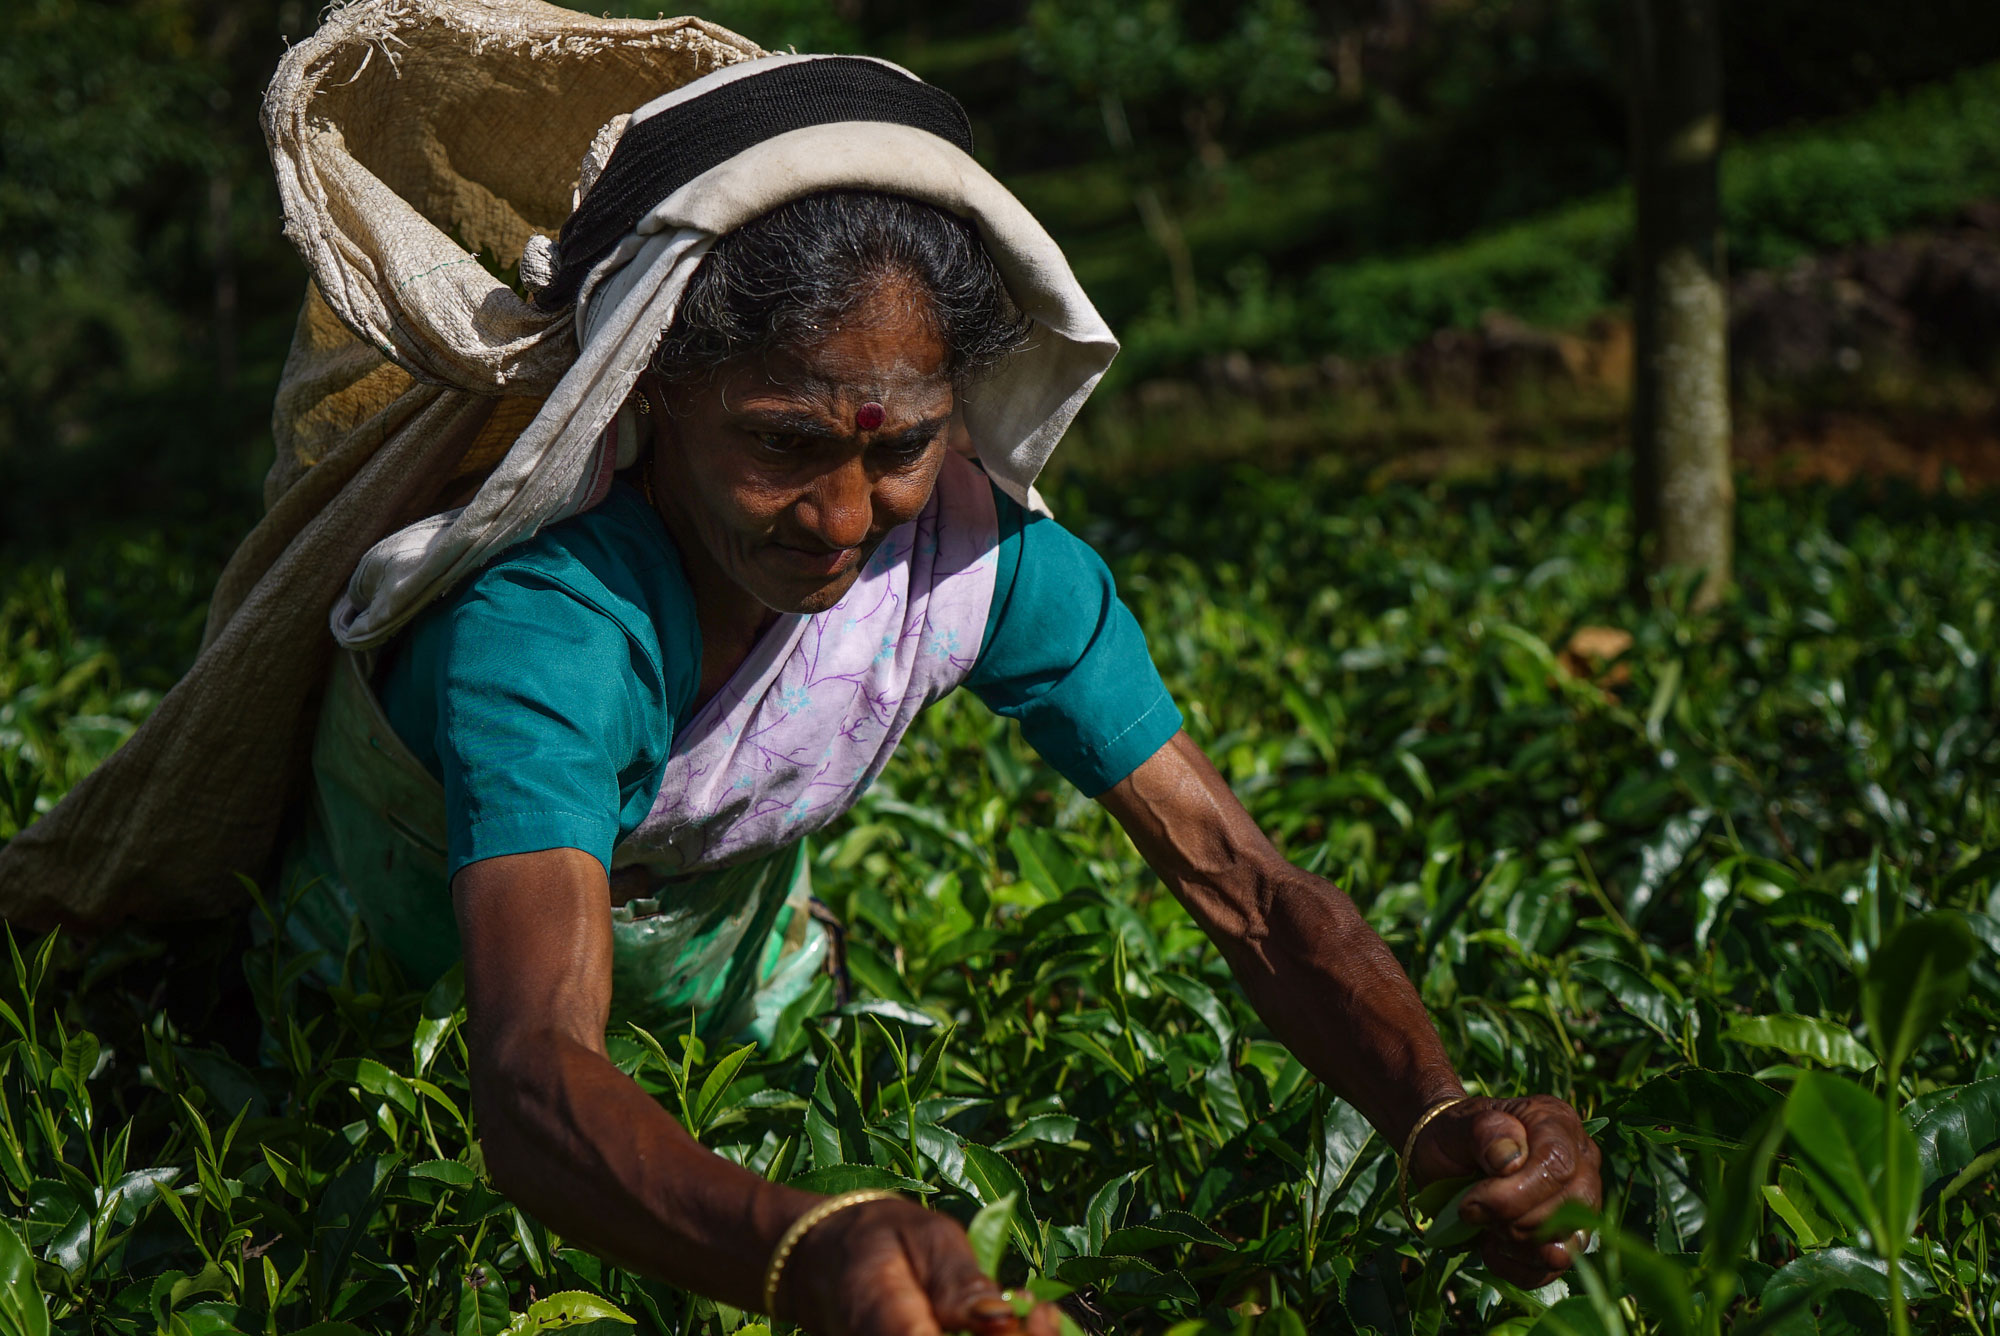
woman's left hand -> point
(1534, 1156)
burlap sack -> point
(412, 139)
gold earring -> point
(644, 405)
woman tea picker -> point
(792, 288)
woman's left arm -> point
(1328, 987)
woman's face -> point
(765, 476)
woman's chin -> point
(806, 597)
(794, 581)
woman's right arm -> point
(578, 1143)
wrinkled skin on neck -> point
(774, 494)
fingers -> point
(1551, 1162)
(890, 1302)
(990, 1316)
(1530, 1266)
(962, 1296)
(1499, 1141)
(878, 1269)
(899, 1270)
(1045, 1321)
(1528, 1263)
(1560, 1164)
(1478, 1138)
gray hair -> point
(782, 280)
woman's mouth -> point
(818, 563)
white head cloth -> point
(1015, 415)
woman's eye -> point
(908, 449)
(781, 442)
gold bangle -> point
(1410, 1147)
(790, 1239)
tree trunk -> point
(1685, 497)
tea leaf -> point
(1815, 1273)
(1848, 1146)
(988, 1234)
(1056, 1128)
(708, 1102)
(571, 1308)
(1953, 1127)
(24, 1310)
(1824, 1042)
(1914, 980)
(837, 1178)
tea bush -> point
(1730, 891)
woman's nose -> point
(840, 508)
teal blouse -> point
(545, 692)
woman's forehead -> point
(890, 352)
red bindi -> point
(869, 416)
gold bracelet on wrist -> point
(799, 1227)
(1410, 1147)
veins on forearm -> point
(1316, 972)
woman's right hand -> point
(892, 1268)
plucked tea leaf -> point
(1448, 1229)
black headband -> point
(664, 152)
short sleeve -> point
(550, 721)
(1065, 658)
